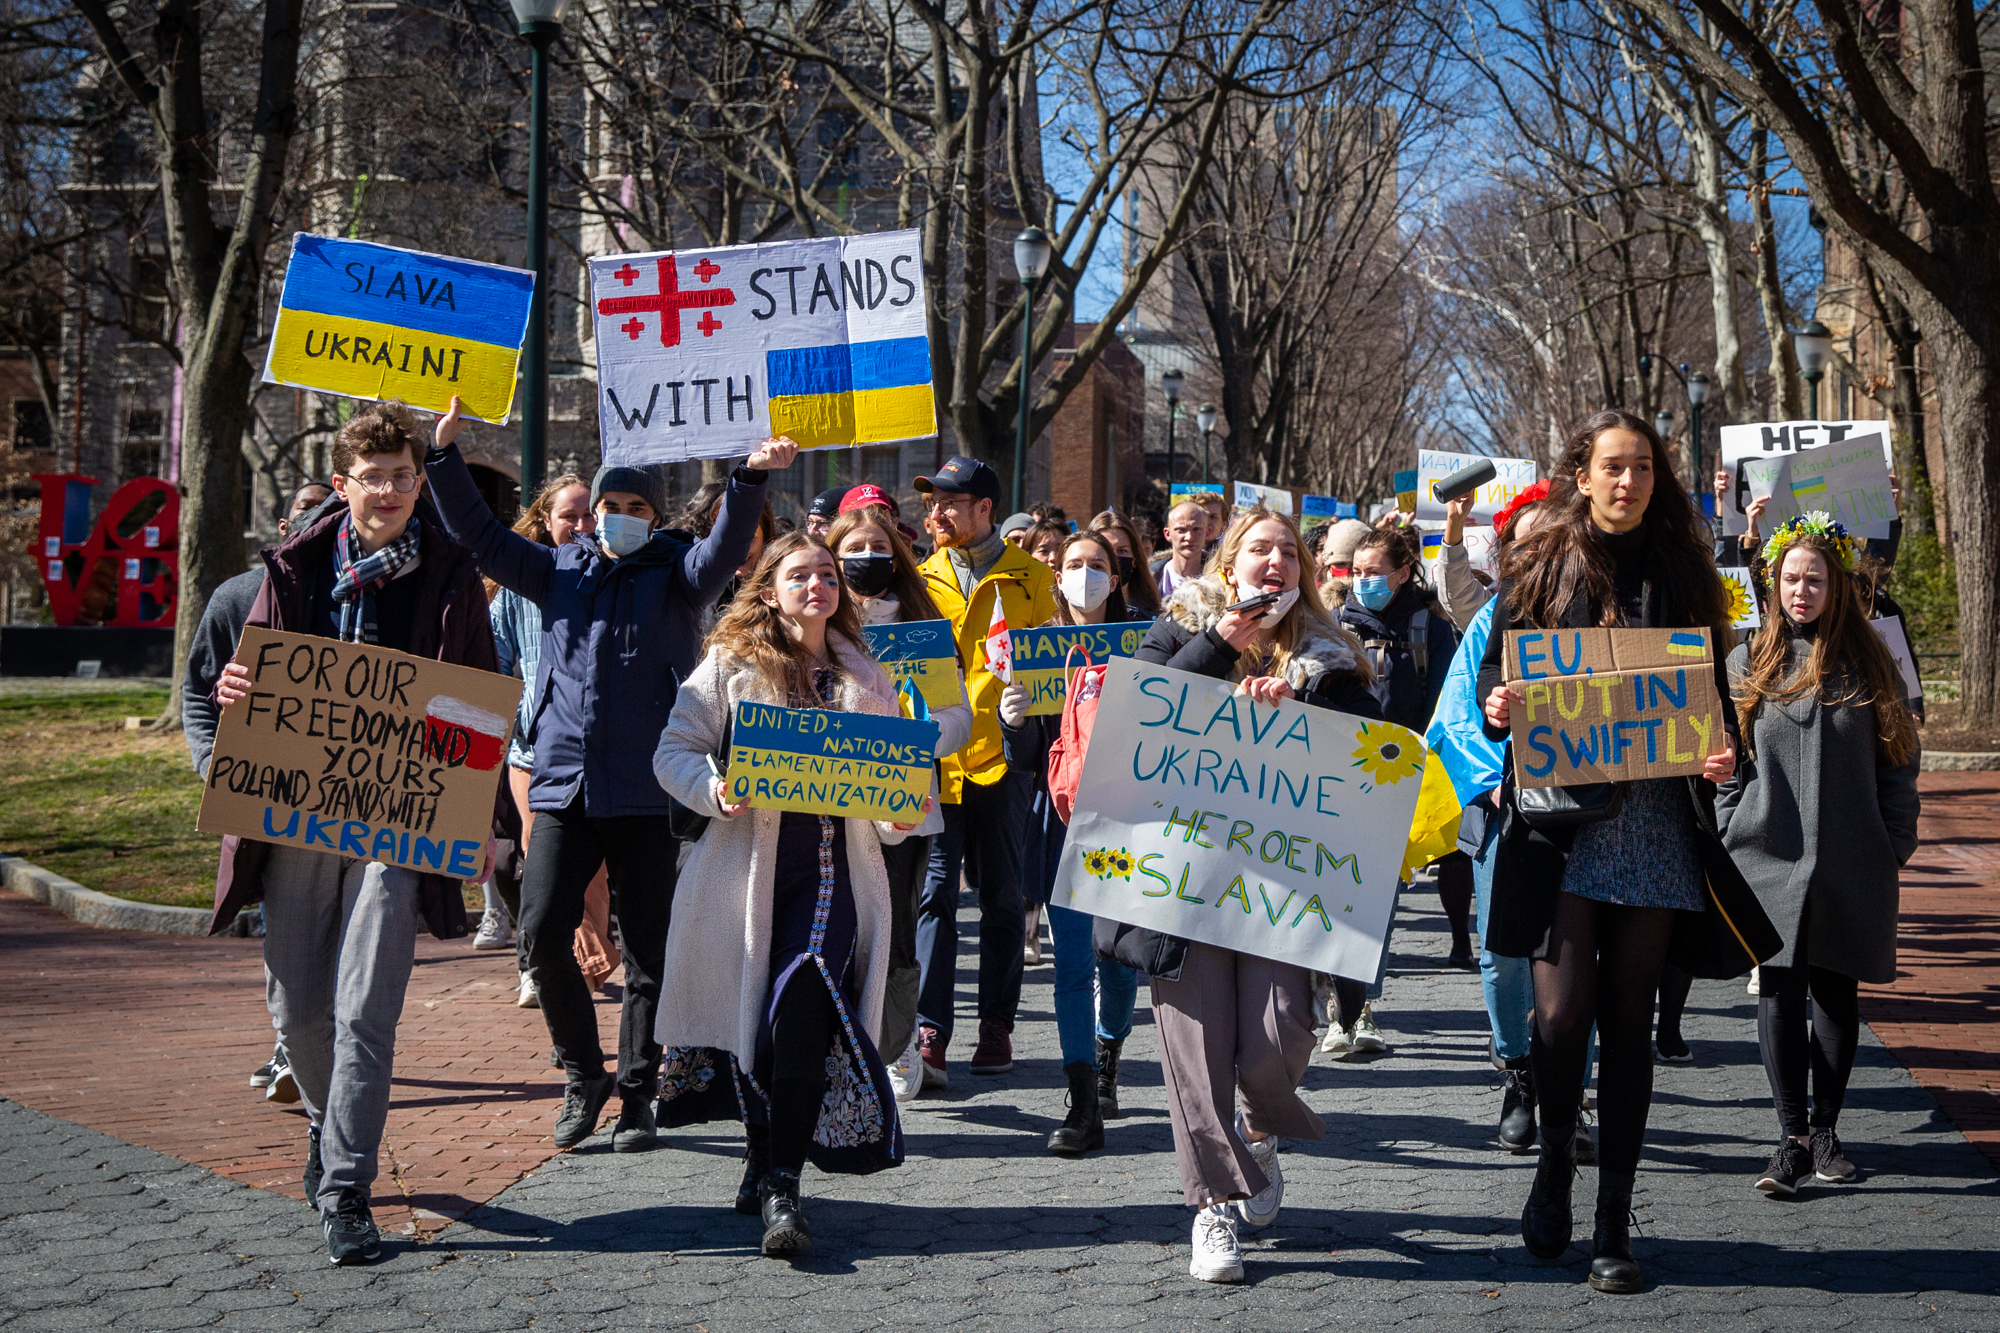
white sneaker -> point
(906, 1076)
(1754, 988)
(1367, 1037)
(1217, 1256)
(495, 932)
(1338, 1042)
(1261, 1209)
(527, 998)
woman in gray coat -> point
(1820, 818)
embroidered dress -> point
(1645, 857)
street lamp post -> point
(1205, 418)
(1031, 260)
(1815, 344)
(540, 23)
(1697, 391)
(1170, 384)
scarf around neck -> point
(356, 581)
(975, 560)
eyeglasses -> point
(378, 483)
(934, 502)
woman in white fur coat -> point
(778, 954)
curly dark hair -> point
(387, 427)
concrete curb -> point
(92, 908)
(1944, 761)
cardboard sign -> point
(1039, 655)
(830, 763)
(372, 321)
(1612, 705)
(705, 353)
(1275, 831)
(1772, 440)
(358, 750)
(1744, 613)
(1897, 640)
(1511, 476)
(922, 651)
(1249, 495)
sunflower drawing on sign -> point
(1108, 863)
(1743, 610)
(1387, 753)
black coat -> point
(1410, 702)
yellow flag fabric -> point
(1434, 828)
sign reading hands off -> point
(362, 751)
(706, 353)
(1277, 831)
(1612, 705)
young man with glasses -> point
(340, 931)
(986, 807)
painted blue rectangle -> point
(1320, 506)
(1047, 648)
(863, 737)
(406, 288)
(1685, 640)
(804, 371)
(1346, 511)
(1406, 482)
(892, 363)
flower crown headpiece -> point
(1818, 523)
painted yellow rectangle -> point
(936, 678)
(815, 421)
(905, 413)
(364, 359)
(827, 785)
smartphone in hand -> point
(1253, 604)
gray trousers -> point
(1233, 1021)
(339, 942)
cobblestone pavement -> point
(1405, 1215)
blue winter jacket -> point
(618, 636)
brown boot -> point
(995, 1052)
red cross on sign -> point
(705, 270)
(627, 275)
(668, 304)
(708, 324)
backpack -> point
(1072, 741)
(1381, 655)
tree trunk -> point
(215, 407)
(1962, 341)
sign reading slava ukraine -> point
(706, 353)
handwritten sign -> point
(1744, 612)
(1275, 831)
(705, 353)
(922, 651)
(358, 750)
(1612, 705)
(1771, 440)
(1511, 477)
(1848, 480)
(1252, 496)
(372, 321)
(1039, 655)
(1405, 484)
(1897, 640)
(828, 763)
(1194, 490)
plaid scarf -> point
(356, 581)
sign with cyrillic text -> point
(357, 750)
(1040, 656)
(1774, 440)
(922, 651)
(1611, 705)
(1511, 477)
(829, 763)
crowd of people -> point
(809, 991)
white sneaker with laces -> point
(1337, 1042)
(1261, 1209)
(527, 998)
(495, 932)
(906, 1076)
(1755, 987)
(1368, 1037)
(1217, 1256)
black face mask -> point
(1124, 569)
(868, 575)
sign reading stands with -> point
(1277, 831)
(371, 321)
(1041, 655)
(706, 353)
(922, 651)
(1612, 705)
(358, 750)
(830, 763)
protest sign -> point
(1848, 480)
(1040, 654)
(372, 321)
(705, 353)
(827, 763)
(1744, 613)
(1482, 545)
(1278, 831)
(1511, 476)
(1772, 440)
(1897, 640)
(1317, 509)
(1405, 484)
(1611, 705)
(1249, 495)
(362, 751)
(1194, 490)
(922, 651)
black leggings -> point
(1794, 1039)
(1602, 965)
(802, 1035)
(1454, 879)
(1674, 987)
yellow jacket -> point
(1027, 592)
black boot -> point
(1545, 1221)
(1083, 1128)
(1107, 1078)
(1517, 1109)
(756, 1165)
(785, 1229)
(1612, 1267)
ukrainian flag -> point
(1433, 545)
(1692, 643)
(852, 393)
(1810, 486)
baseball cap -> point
(860, 497)
(967, 475)
(827, 503)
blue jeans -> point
(1509, 983)
(1117, 995)
(1074, 955)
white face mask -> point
(622, 534)
(1085, 588)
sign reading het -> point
(1774, 439)
(361, 751)
(828, 763)
(922, 651)
(1040, 656)
(1612, 705)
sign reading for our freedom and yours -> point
(371, 321)
(361, 751)
(1611, 705)
(828, 763)
(1512, 476)
(1275, 831)
(706, 353)
(1772, 440)
(1041, 655)
(922, 651)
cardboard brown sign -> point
(1612, 705)
(361, 751)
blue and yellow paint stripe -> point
(852, 393)
(1810, 486)
(1687, 645)
(369, 359)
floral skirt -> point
(1646, 857)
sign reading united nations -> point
(371, 321)
(827, 763)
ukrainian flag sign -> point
(372, 321)
(706, 353)
(921, 652)
(827, 763)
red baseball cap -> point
(862, 496)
